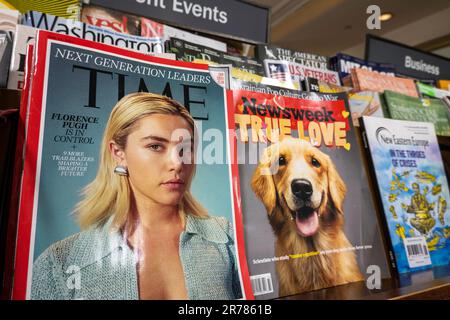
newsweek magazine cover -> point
(75, 85)
(111, 19)
(308, 215)
(269, 52)
(296, 73)
(343, 63)
(89, 32)
(412, 187)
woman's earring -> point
(121, 170)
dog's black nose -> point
(302, 189)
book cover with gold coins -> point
(413, 189)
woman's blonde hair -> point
(109, 194)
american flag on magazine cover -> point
(278, 70)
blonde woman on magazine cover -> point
(144, 235)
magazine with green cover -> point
(402, 107)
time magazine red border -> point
(27, 198)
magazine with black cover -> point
(188, 51)
(313, 85)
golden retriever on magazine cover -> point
(303, 195)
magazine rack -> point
(429, 284)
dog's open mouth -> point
(307, 221)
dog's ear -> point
(336, 187)
(262, 182)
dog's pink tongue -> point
(307, 226)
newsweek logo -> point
(385, 137)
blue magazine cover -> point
(342, 63)
(413, 189)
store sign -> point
(407, 61)
(232, 18)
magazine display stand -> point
(287, 240)
(427, 289)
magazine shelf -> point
(430, 284)
(310, 169)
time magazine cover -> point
(412, 187)
(75, 85)
(308, 215)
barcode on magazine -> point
(417, 252)
(261, 284)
